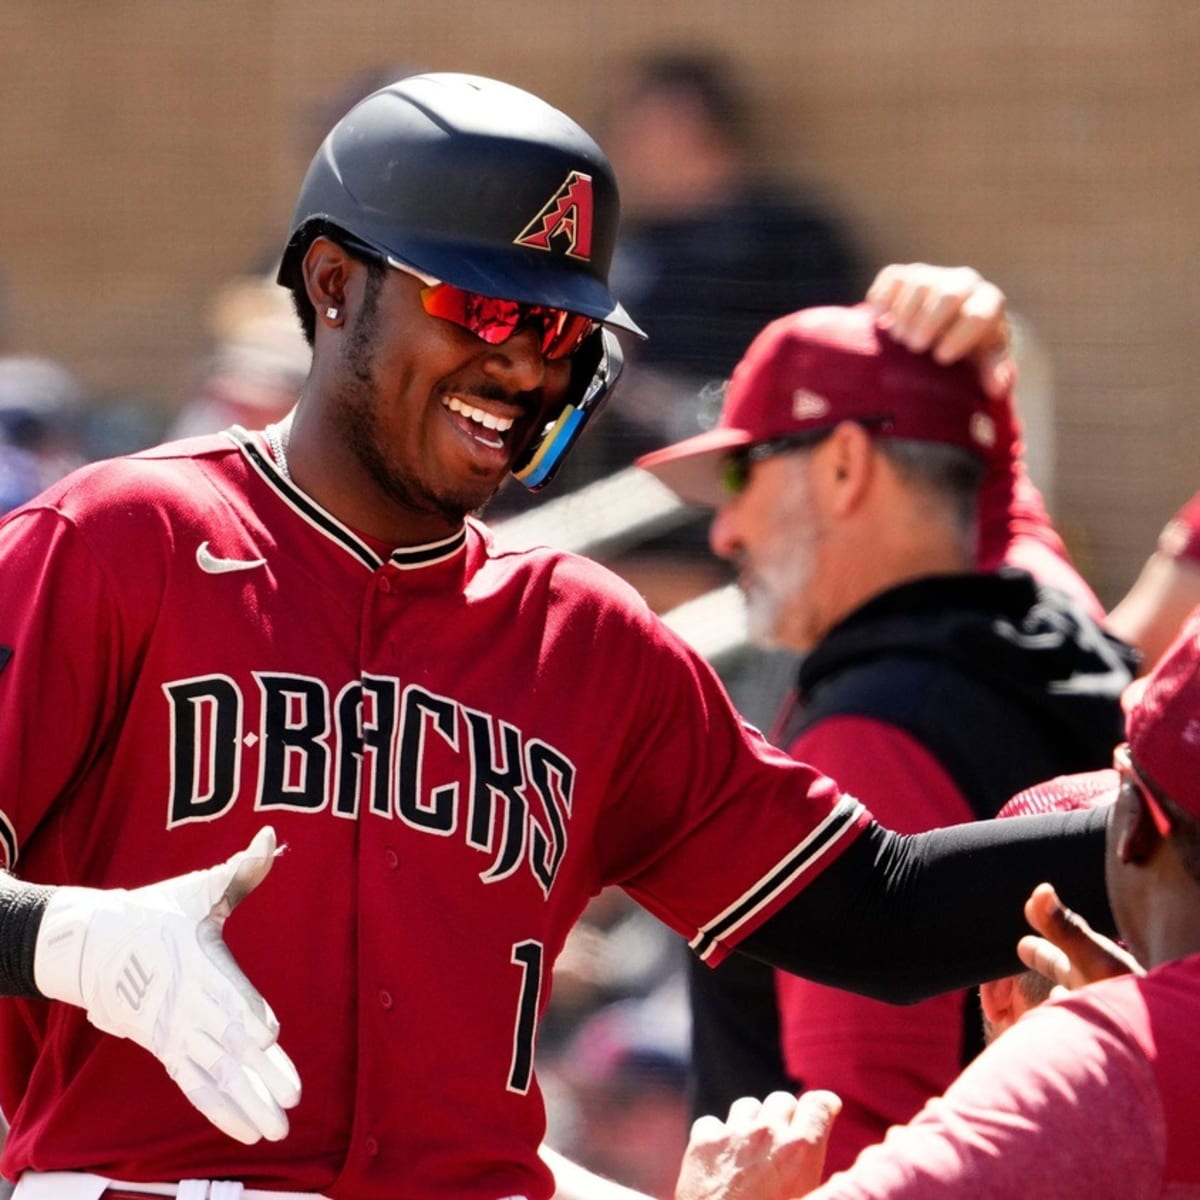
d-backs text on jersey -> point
(404, 752)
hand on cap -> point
(951, 311)
(1069, 952)
(767, 1151)
(151, 965)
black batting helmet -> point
(482, 185)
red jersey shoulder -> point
(149, 494)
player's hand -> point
(151, 965)
(1069, 952)
(767, 1151)
(953, 312)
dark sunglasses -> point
(1131, 777)
(735, 470)
(560, 333)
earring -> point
(332, 313)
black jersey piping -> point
(842, 820)
(405, 559)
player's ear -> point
(1137, 837)
(326, 269)
(847, 461)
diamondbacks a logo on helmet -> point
(566, 216)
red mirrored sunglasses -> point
(560, 333)
(1130, 775)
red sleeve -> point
(1014, 527)
(707, 825)
(885, 1061)
(1048, 1110)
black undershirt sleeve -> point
(22, 906)
(904, 917)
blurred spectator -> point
(847, 473)
(619, 1091)
(259, 360)
(1167, 590)
(43, 410)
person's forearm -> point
(902, 918)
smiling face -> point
(410, 421)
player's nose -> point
(723, 536)
(518, 362)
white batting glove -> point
(151, 965)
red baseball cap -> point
(1162, 726)
(1066, 793)
(815, 368)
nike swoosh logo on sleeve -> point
(210, 564)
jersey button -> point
(391, 858)
(371, 1146)
(385, 998)
(385, 584)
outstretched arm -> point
(902, 917)
(152, 965)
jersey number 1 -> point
(527, 956)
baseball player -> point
(458, 744)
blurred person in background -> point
(258, 362)
(43, 415)
(847, 471)
(1166, 591)
(617, 1090)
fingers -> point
(234, 1099)
(240, 1087)
(951, 311)
(1046, 959)
(814, 1115)
(242, 873)
(1068, 951)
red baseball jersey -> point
(457, 744)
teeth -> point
(486, 419)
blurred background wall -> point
(151, 150)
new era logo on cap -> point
(808, 406)
(819, 366)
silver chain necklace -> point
(276, 442)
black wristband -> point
(22, 906)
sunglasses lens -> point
(564, 332)
(560, 333)
(493, 320)
(735, 474)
